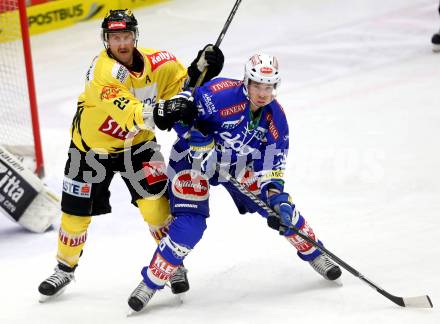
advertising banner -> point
(63, 13)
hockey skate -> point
(140, 297)
(56, 283)
(435, 40)
(325, 267)
(179, 281)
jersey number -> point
(121, 102)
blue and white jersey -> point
(242, 137)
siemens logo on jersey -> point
(112, 128)
(56, 15)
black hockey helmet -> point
(117, 21)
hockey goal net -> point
(19, 127)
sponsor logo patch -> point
(272, 128)
(117, 25)
(207, 99)
(273, 174)
(159, 58)
(120, 72)
(224, 85)
(10, 185)
(233, 110)
(299, 243)
(161, 268)
(266, 70)
(190, 185)
(231, 124)
(71, 240)
(76, 188)
(112, 128)
(186, 206)
(16, 193)
(154, 171)
(109, 92)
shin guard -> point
(306, 251)
(71, 239)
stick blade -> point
(414, 302)
(418, 302)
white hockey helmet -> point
(262, 68)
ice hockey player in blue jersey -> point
(242, 127)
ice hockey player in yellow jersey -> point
(111, 108)
(113, 131)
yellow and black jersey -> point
(109, 114)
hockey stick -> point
(220, 38)
(419, 301)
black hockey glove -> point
(211, 57)
(179, 108)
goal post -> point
(19, 123)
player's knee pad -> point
(187, 229)
(156, 212)
(72, 237)
(306, 250)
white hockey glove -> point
(147, 115)
(210, 57)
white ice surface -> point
(361, 92)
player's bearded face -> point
(121, 46)
(260, 94)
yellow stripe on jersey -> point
(109, 113)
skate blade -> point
(45, 298)
(180, 298)
(338, 282)
(131, 312)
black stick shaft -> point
(227, 23)
(420, 301)
(220, 38)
